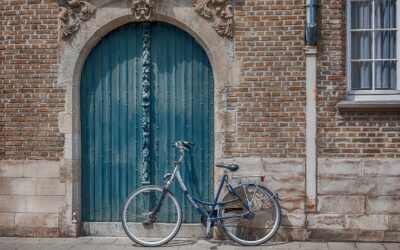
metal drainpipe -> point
(311, 41)
(311, 28)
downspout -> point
(311, 41)
(311, 27)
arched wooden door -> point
(111, 117)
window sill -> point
(352, 105)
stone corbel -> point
(218, 11)
(72, 14)
(142, 10)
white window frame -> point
(372, 95)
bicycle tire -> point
(276, 223)
(136, 238)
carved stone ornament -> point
(142, 9)
(218, 11)
(72, 14)
(146, 104)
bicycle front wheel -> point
(151, 217)
(256, 227)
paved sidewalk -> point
(108, 243)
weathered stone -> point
(7, 231)
(367, 222)
(293, 220)
(386, 185)
(285, 184)
(64, 122)
(333, 235)
(293, 166)
(383, 205)
(341, 204)
(72, 146)
(10, 169)
(44, 204)
(17, 186)
(371, 235)
(339, 167)
(326, 221)
(382, 167)
(248, 166)
(391, 236)
(292, 204)
(36, 232)
(7, 219)
(49, 187)
(230, 121)
(29, 169)
(41, 169)
(394, 222)
(36, 220)
(346, 185)
(290, 234)
(13, 203)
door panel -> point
(182, 109)
(111, 113)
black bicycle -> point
(249, 213)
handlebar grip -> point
(183, 144)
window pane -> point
(385, 44)
(361, 45)
(385, 13)
(385, 75)
(361, 75)
(361, 12)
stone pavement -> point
(109, 243)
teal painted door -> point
(111, 117)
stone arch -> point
(110, 15)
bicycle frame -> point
(197, 203)
(210, 214)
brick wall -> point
(358, 167)
(31, 147)
(270, 99)
(29, 102)
(267, 105)
(347, 134)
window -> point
(373, 46)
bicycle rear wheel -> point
(148, 227)
(256, 228)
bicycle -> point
(249, 214)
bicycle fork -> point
(152, 216)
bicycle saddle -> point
(185, 144)
(231, 167)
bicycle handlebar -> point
(183, 145)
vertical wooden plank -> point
(98, 137)
(123, 121)
(90, 118)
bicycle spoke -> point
(258, 226)
(144, 226)
(245, 193)
(254, 194)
